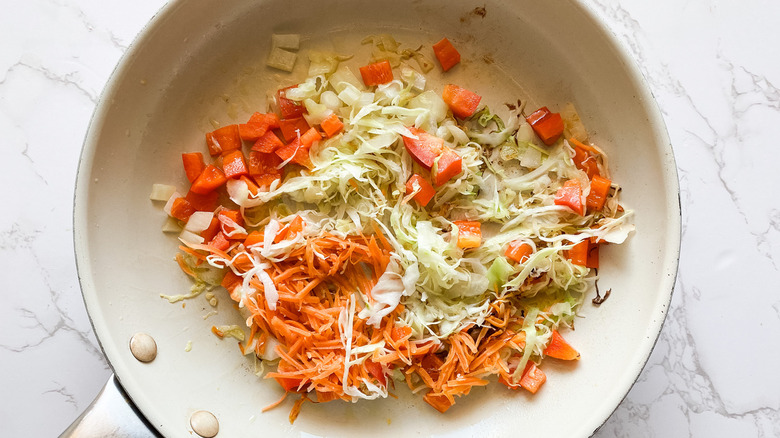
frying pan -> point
(203, 61)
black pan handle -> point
(111, 414)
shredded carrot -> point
(315, 285)
(276, 403)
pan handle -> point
(111, 414)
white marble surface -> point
(711, 65)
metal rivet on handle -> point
(143, 347)
(205, 424)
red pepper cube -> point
(266, 179)
(224, 139)
(446, 53)
(377, 73)
(425, 148)
(207, 202)
(211, 178)
(560, 349)
(293, 128)
(599, 191)
(547, 125)
(257, 125)
(518, 251)
(267, 143)
(261, 163)
(220, 242)
(570, 195)
(533, 378)
(448, 165)
(209, 233)
(331, 125)
(425, 193)
(298, 151)
(469, 234)
(193, 165)
(578, 254)
(462, 102)
(234, 164)
(182, 209)
(289, 108)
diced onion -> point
(290, 41)
(169, 205)
(161, 192)
(199, 221)
(188, 236)
(281, 59)
(171, 225)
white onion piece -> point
(199, 221)
(290, 41)
(169, 205)
(161, 192)
(190, 237)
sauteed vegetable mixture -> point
(379, 230)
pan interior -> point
(199, 62)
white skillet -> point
(203, 60)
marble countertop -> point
(712, 67)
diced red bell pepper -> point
(298, 151)
(288, 383)
(228, 228)
(234, 215)
(331, 125)
(447, 166)
(288, 231)
(267, 143)
(292, 128)
(377, 73)
(231, 280)
(585, 162)
(446, 53)
(599, 191)
(426, 191)
(289, 108)
(193, 165)
(209, 233)
(375, 369)
(547, 125)
(533, 378)
(182, 209)
(570, 195)
(399, 333)
(261, 163)
(585, 253)
(462, 102)
(220, 241)
(267, 179)
(425, 148)
(207, 202)
(593, 254)
(224, 139)
(560, 349)
(578, 254)
(257, 125)
(211, 178)
(254, 238)
(234, 164)
(518, 251)
(251, 185)
(469, 234)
